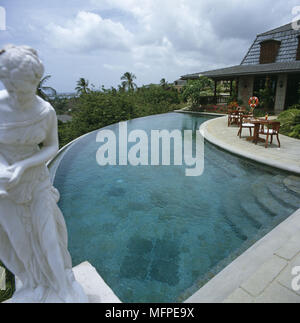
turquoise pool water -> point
(155, 235)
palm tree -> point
(82, 86)
(45, 91)
(122, 86)
(128, 82)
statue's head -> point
(20, 68)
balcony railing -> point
(219, 99)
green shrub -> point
(295, 133)
(97, 109)
(294, 106)
(290, 123)
(196, 90)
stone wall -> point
(280, 93)
(245, 88)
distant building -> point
(179, 84)
(274, 55)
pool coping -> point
(219, 288)
(201, 113)
(60, 154)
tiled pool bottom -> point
(155, 235)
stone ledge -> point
(224, 286)
(202, 113)
(263, 277)
(93, 285)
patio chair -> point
(246, 123)
(233, 116)
(270, 131)
(251, 112)
(242, 113)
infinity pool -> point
(155, 235)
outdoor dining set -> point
(257, 126)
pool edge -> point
(238, 272)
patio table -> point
(257, 123)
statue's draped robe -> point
(33, 235)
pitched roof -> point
(277, 30)
(230, 72)
(288, 48)
(285, 61)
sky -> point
(100, 40)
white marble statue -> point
(33, 235)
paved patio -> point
(263, 274)
(272, 282)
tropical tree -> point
(82, 86)
(128, 81)
(45, 91)
(122, 87)
(198, 90)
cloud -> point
(114, 67)
(89, 32)
(182, 32)
(151, 38)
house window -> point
(269, 51)
(292, 90)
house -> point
(273, 60)
(179, 84)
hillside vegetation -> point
(96, 109)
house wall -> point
(245, 88)
(280, 93)
(179, 88)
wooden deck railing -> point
(219, 99)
